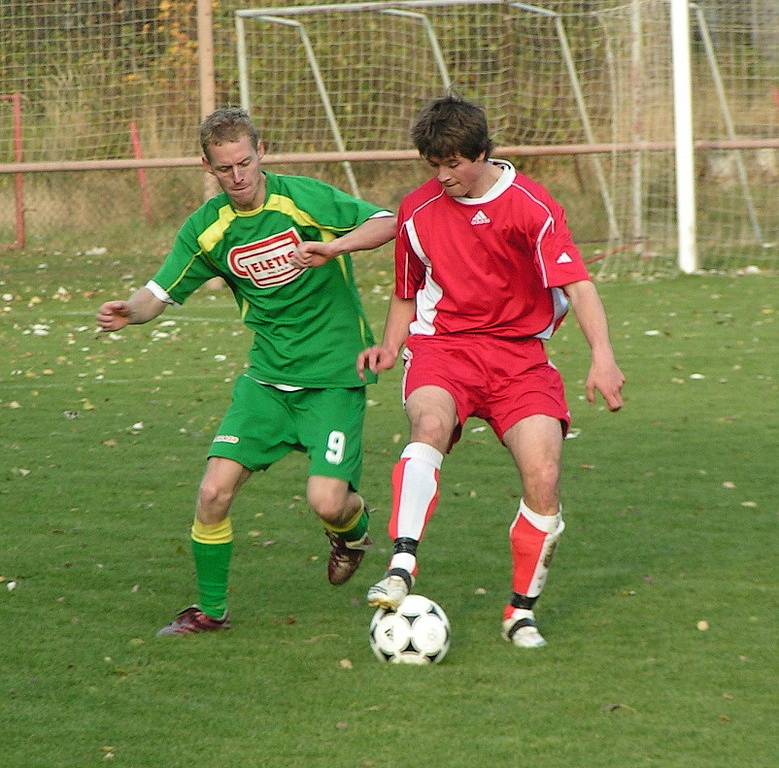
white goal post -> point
(683, 133)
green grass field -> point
(660, 610)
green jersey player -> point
(301, 390)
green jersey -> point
(309, 324)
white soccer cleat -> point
(390, 592)
(521, 630)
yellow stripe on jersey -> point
(219, 533)
(342, 264)
(183, 273)
(208, 239)
(341, 261)
(287, 206)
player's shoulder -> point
(284, 183)
(212, 205)
(209, 212)
(310, 194)
(417, 199)
(532, 187)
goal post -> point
(683, 132)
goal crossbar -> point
(302, 10)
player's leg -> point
(254, 433)
(432, 415)
(535, 444)
(344, 515)
(330, 423)
(212, 548)
(528, 411)
(212, 532)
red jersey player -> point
(485, 270)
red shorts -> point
(499, 380)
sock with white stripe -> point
(414, 499)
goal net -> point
(579, 93)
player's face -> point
(236, 165)
(461, 177)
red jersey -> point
(492, 264)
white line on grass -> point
(96, 386)
(172, 316)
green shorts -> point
(263, 424)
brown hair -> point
(226, 124)
(451, 126)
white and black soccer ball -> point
(416, 633)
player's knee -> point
(328, 503)
(214, 496)
(541, 491)
(430, 428)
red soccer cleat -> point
(192, 620)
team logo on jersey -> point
(226, 439)
(480, 218)
(267, 262)
(564, 258)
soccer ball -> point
(416, 633)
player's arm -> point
(370, 234)
(141, 307)
(604, 375)
(381, 358)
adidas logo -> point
(564, 258)
(480, 218)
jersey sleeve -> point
(561, 262)
(331, 209)
(556, 256)
(542, 224)
(184, 270)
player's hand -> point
(607, 379)
(113, 315)
(375, 359)
(312, 254)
